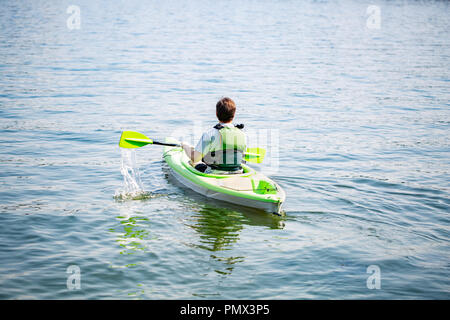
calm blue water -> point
(360, 117)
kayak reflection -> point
(219, 228)
(132, 234)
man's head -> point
(225, 109)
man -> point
(221, 148)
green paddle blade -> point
(132, 139)
(255, 155)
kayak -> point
(250, 188)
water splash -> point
(133, 188)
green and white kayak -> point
(250, 188)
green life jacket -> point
(228, 154)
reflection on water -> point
(219, 229)
(133, 235)
(229, 263)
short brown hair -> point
(225, 109)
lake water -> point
(355, 96)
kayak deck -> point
(250, 188)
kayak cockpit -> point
(247, 171)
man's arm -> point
(193, 154)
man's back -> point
(221, 147)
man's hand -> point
(186, 145)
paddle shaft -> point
(166, 144)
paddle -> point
(132, 139)
(255, 155)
